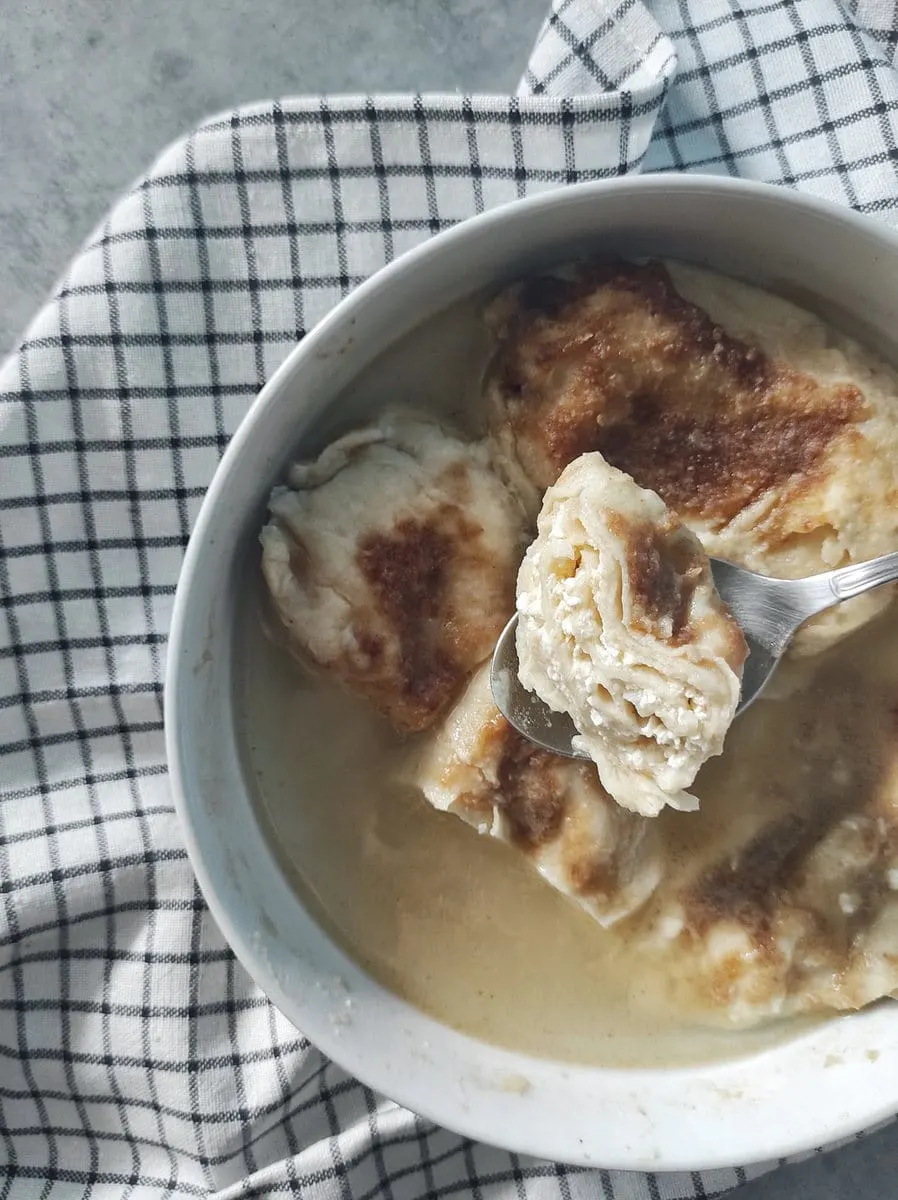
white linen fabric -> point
(136, 1056)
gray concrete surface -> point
(91, 90)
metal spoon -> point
(769, 611)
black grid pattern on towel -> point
(136, 1057)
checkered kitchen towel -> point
(136, 1057)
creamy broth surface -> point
(456, 923)
(459, 924)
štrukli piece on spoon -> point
(631, 648)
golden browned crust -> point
(748, 887)
(592, 874)
(663, 571)
(850, 754)
(752, 887)
(413, 571)
(665, 567)
(391, 563)
(617, 361)
(801, 894)
(529, 792)
(533, 792)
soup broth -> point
(457, 924)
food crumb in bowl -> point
(519, 1085)
(511, 1082)
(342, 1016)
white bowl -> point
(825, 1083)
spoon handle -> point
(861, 577)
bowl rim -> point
(505, 1115)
